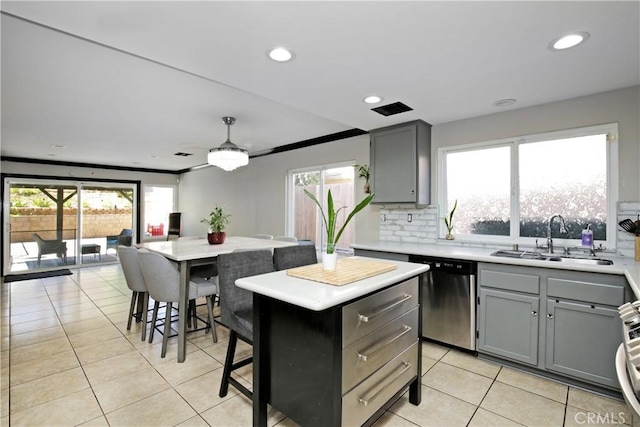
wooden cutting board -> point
(348, 270)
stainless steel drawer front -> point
(368, 314)
(369, 353)
(364, 400)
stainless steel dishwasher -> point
(448, 301)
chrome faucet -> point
(563, 230)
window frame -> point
(143, 222)
(289, 197)
(610, 129)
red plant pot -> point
(216, 238)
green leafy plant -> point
(363, 172)
(217, 220)
(330, 218)
(448, 220)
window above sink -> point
(507, 189)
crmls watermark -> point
(593, 418)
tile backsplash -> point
(420, 225)
(410, 224)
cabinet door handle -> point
(364, 401)
(413, 191)
(534, 313)
(549, 316)
(367, 317)
(382, 344)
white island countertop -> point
(625, 266)
(318, 296)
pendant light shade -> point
(228, 156)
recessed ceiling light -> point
(154, 157)
(281, 54)
(568, 41)
(504, 102)
(373, 99)
(57, 146)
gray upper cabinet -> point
(400, 157)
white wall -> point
(621, 106)
(255, 194)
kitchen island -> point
(335, 355)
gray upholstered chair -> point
(162, 278)
(128, 257)
(294, 256)
(236, 306)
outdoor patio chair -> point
(125, 238)
(57, 247)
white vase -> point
(329, 261)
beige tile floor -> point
(67, 359)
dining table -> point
(190, 251)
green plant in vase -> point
(217, 221)
(448, 221)
(363, 172)
(330, 224)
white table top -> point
(192, 248)
(318, 296)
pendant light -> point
(228, 156)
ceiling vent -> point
(391, 109)
(181, 154)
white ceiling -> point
(116, 83)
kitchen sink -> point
(588, 261)
(585, 260)
(520, 254)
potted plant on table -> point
(329, 257)
(217, 220)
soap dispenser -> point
(587, 236)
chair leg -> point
(212, 323)
(167, 329)
(228, 362)
(189, 311)
(134, 296)
(154, 318)
(145, 314)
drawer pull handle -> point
(380, 345)
(367, 317)
(364, 401)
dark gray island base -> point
(341, 366)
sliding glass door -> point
(52, 224)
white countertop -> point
(192, 248)
(318, 296)
(621, 265)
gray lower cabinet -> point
(560, 321)
(508, 325)
(582, 340)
